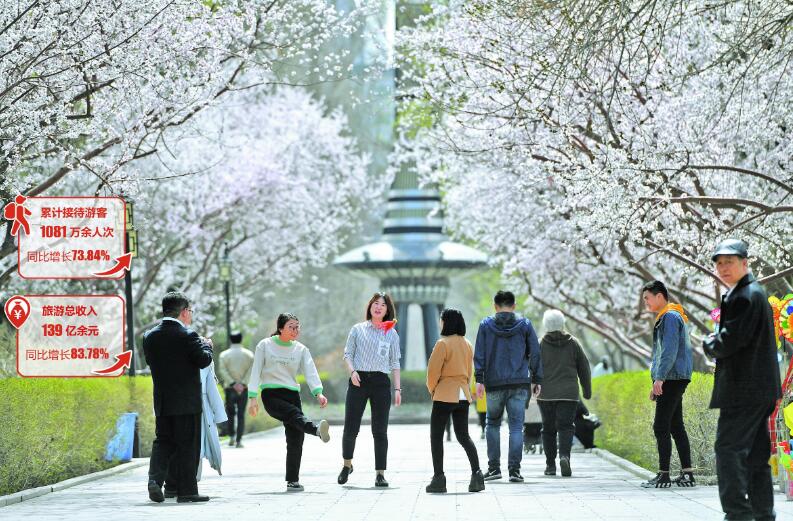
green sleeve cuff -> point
(251, 394)
(316, 391)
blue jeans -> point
(514, 400)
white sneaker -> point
(323, 431)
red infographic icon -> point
(17, 310)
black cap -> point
(731, 247)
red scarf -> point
(386, 325)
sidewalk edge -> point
(25, 495)
(624, 464)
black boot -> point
(437, 485)
(564, 462)
(477, 482)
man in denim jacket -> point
(671, 373)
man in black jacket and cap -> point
(175, 355)
(746, 387)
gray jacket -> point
(212, 413)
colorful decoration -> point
(786, 463)
(783, 324)
(715, 315)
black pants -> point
(557, 419)
(284, 405)
(441, 411)
(376, 389)
(482, 419)
(177, 441)
(235, 407)
(742, 451)
(668, 424)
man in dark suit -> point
(746, 387)
(175, 355)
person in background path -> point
(449, 370)
(372, 351)
(670, 371)
(602, 368)
(746, 387)
(176, 355)
(507, 364)
(235, 372)
(276, 364)
(564, 365)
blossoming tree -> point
(592, 146)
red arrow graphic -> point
(123, 360)
(122, 263)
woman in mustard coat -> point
(449, 372)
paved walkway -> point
(252, 487)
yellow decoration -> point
(773, 461)
(787, 413)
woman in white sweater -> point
(277, 361)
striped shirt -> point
(371, 349)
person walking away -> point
(234, 371)
(672, 364)
(506, 364)
(371, 353)
(276, 363)
(564, 365)
(176, 354)
(746, 387)
(449, 369)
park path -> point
(252, 488)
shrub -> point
(622, 402)
(57, 428)
(414, 387)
